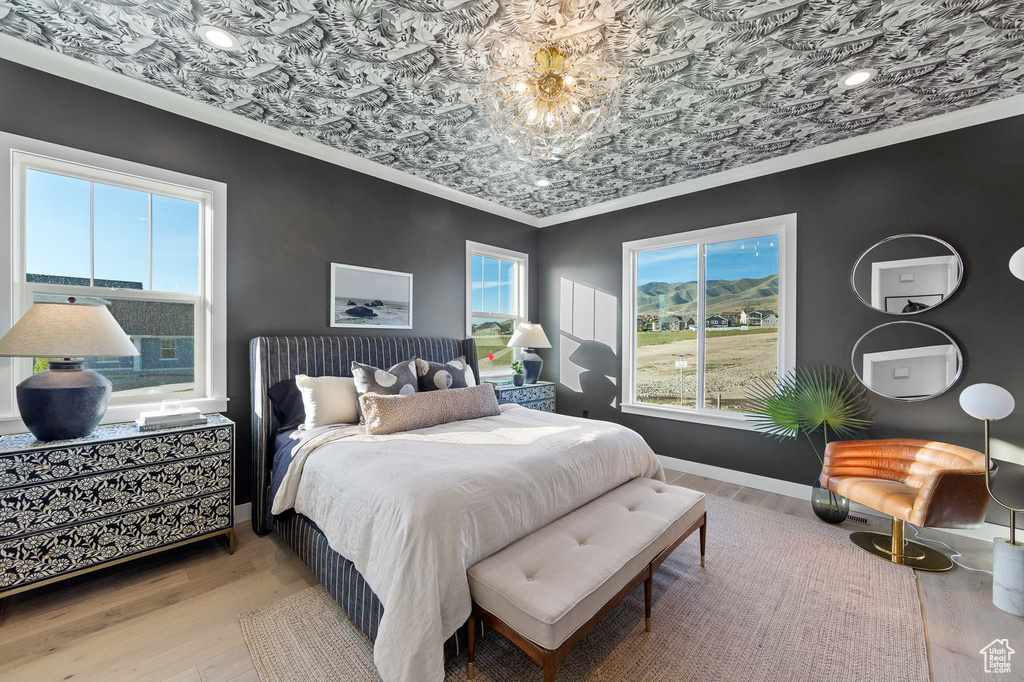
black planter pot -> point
(517, 379)
(827, 505)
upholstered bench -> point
(546, 591)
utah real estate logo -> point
(997, 656)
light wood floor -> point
(174, 616)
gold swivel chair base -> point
(898, 550)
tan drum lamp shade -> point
(65, 401)
(529, 335)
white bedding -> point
(414, 510)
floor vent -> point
(857, 519)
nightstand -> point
(538, 396)
(74, 506)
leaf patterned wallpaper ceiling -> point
(710, 84)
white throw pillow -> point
(328, 400)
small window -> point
(168, 349)
(707, 312)
(496, 302)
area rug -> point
(781, 598)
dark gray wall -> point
(289, 216)
(963, 186)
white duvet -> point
(414, 510)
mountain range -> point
(722, 296)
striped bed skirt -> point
(343, 581)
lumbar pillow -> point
(386, 414)
(397, 380)
(328, 400)
(435, 376)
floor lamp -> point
(989, 403)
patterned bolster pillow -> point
(386, 414)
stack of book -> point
(186, 416)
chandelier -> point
(547, 104)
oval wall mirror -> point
(907, 361)
(907, 274)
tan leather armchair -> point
(924, 483)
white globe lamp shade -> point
(987, 401)
(1017, 263)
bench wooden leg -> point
(703, 538)
(549, 666)
(648, 591)
(470, 649)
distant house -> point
(717, 322)
(732, 316)
(756, 318)
(770, 320)
(691, 323)
(164, 335)
(648, 323)
(163, 332)
(487, 329)
(674, 323)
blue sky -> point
(493, 285)
(57, 239)
(748, 258)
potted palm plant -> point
(805, 402)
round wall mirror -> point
(907, 361)
(907, 274)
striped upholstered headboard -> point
(274, 359)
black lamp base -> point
(64, 402)
(532, 365)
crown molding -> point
(935, 125)
(43, 59)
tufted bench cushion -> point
(550, 583)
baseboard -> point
(243, 513)
(985, 532)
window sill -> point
(717, 418)
(123, 413)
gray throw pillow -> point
(394, 381)
(435, 376)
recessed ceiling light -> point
(858, 77)
(219, 38)
(543, 182)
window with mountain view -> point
(496, 303)
(133, 246)
(708, 310)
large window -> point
(496, 301)
(707, 312)
(148, 247)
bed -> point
(551, 463)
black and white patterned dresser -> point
(73, 506)
(538, 396)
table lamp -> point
(529, 336)
(65, 401)
(989, 403)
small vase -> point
(827, 505)
(517, 379)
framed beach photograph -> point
(367, 297)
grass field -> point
(493, 344)
(659, 338)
